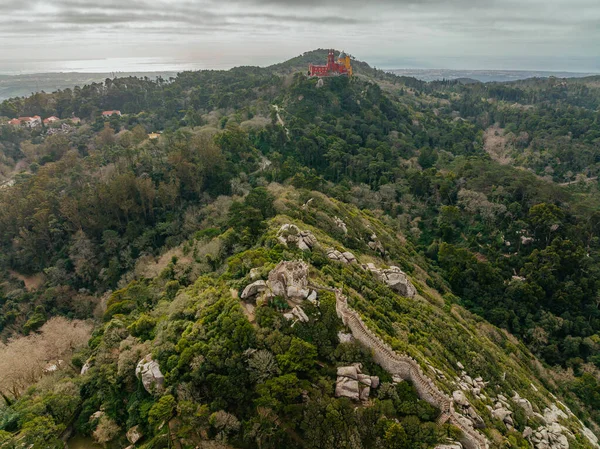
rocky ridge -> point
(407, 368)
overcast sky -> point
(472, 34)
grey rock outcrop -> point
(290, 280)
(501, 413)
(460, 398)
(149, 372)
(343, 257)
(297, 314)
(464, 406)
(395, 278)
(526, 240)
(254, 289)
(290, 234)
(524, 404)
(352, 383)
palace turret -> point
(341, 67)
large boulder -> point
(290, 280)
(348, 371)
(375, 244)
(149, 372)
(345, 257)
(395, 278)
(460, 398)
(348, 388)
(524, 404)
(501, 413)
(254, 289)
(352, 383)
(553, 414)
(290, 234)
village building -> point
(111, 113)
(30, 122)
(52, 119)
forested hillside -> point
(484, 196)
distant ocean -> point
(161, 64)
(107, 65)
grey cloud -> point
(381, 28)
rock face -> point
(149, 372)
(313, 298)
(526, 240)
(290, 234)
(345, 257)
(395, 278)
(290, 280)
(352, 383)
(552, 435)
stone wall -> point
(407, 368)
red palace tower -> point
(341, 67)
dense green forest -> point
(486, 195)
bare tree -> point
(24, 360)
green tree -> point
(299, 358)
(162, 411)
(395, 437)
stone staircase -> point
(407, 368)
